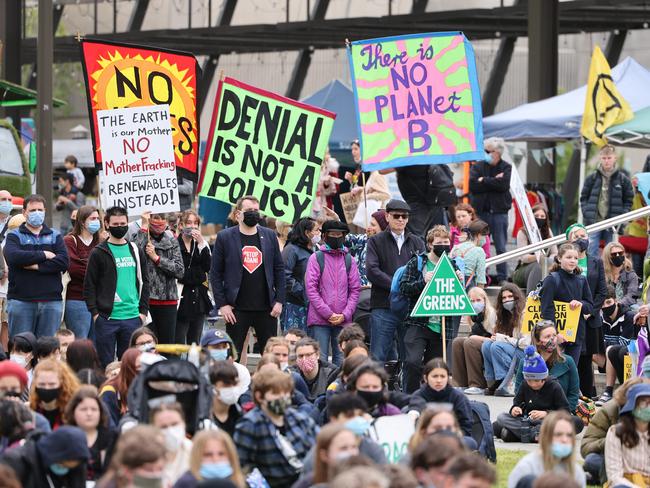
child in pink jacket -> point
(332, 285)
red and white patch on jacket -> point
(251, 258)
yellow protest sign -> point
(566, 320)
(627, 367)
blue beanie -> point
(534, 365)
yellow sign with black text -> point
(566, 320)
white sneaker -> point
(474, 390)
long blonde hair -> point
(489, 314)
(609, 267)
(425, 419)
(198, 447)
(546, 440)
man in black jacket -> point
(387, 251)
(489, 188)
(116, 288)
(606, 193)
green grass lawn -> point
(506, 461)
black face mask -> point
(47, 395)
(372, 398)
(541, 223)
(118, 231)
(440, 249)
(334, 242)
(617, 260)
(609, 311)
(251, 218)
(582, 244)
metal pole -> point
(44, 60)
(560, 239)
(95, 19)
(189, 15)
(209, 13)
(287, 9)
(114, 16)
(583, 164)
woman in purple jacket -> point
(332, 285)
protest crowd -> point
(146, 354)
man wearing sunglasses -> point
(387, 251)
(489, 188)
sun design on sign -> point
(135, 81)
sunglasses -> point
(402, 216)
(620, 253)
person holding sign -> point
(164, 266)
(247, 276)
(566, 283)
(422, 336)
(593, 269)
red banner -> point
(120, 75)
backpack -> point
(399, 303)
(482, 431)
(320, 259)
(441, 189)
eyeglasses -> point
(397, 216)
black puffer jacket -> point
(491, 194)
(621, 194)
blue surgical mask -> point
(478, 306)
(211, 471)
(219, 354)
(93, 226)
(59, 470)
(358, 425)
(6, 206)
(561, 451)
(36, 218)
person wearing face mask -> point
(591, 337)
(620, 326)
(169, 418)
(164, 266)
(6, 206)
(248, 276)
(489, 187)
(369, 382)
(226, 412)
(36, 256)
(626, 446)
(423, 336)
(54, 460)
(22, 351)
(606, 193)
(334, 443)
(70, 199)
(274, 437)
(280, 348)
(116, 288)
(502, 352)
(213, 458)
(560, 366)
(620, 275)
(316, 373)
(303, 239)
(528, 271)
(470, 256)
(195, 303)
(80, 242)
(218, 346)
(332, 287)
(53, 386)
(557, 453)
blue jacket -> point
(22, 248)
(227, 268)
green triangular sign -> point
(444, 294)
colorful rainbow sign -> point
(418, 100)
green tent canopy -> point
(12, 95)
(634, 133)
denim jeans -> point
(41, 318)
(78, 319)
(498, 223)
(383, 327)
(594, 241)
(326, 336)
(110, 333)
(595, 466)
(497, 357)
